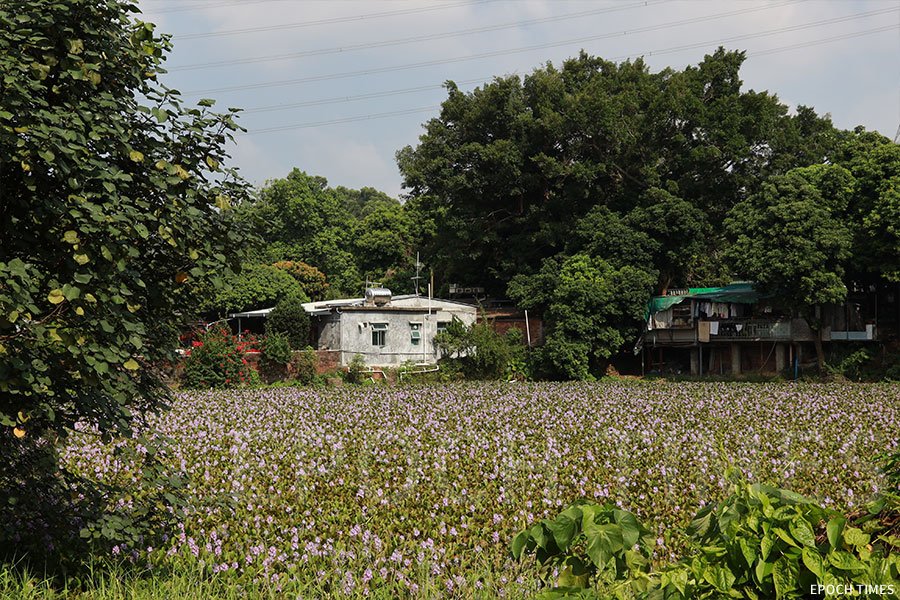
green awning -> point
(738, 293)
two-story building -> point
(733, 329)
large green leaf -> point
(845, 561)
(802, 531)
(720, 577)
(814, 562)
(603, 543)
(703, 523)
(784, 575)
(518, 544)
(563, 528)
(834, 530)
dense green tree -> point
(359, 203)
(114, 205)
(592, 308)
(113, 200)
(346, 234)
(874, 207)
(289, 319)
(788, 240)
(256, 287)
(312, 280)
(506, 171)
(605, 234)
(382, 240)
(678, 232)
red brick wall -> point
(329, 360)
(502, 320)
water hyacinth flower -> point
(397, 486)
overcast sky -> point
(336, 87)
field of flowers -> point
(385, 491)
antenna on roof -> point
(417, 277)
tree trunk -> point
(820, 351)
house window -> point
(442, 326)
(415, 333)
(379, 333)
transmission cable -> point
(422, 38)
(382, 115)
(328, 21)
(430, 63)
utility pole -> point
(417, 277)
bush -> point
(356, 372)
(851, 363)
(482, 353)
(276, 354)
(760, 542)
(217, 362)
(276, 350)
(290, 319)
(304, 366)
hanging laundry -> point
(713, 328)
(661, 319)
(703, 331)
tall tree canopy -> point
(348, 235)
(614, 163)
(507, 170)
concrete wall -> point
(350, 332)
(329, 332)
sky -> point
(336, 87)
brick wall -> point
(502, 320)
(329, 360)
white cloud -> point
(854, 79)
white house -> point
(384, 329)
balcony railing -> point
(752, 329)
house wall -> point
(329, 332)
(350, 332)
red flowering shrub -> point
(217, 362)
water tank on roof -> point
(378, 296)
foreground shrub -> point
(59, 520)
(304, 366)
(479, 352)
(289, 318)
(216, 362)
(760, 542)
(585, 539)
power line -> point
(203, 6)
(779, 49)
(828, 40)
(341, 99)
(430, 63)
(392, 113)
(382, 115)
(328, 21)
(422, 38)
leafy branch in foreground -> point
(760, 542)
(114, 209)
